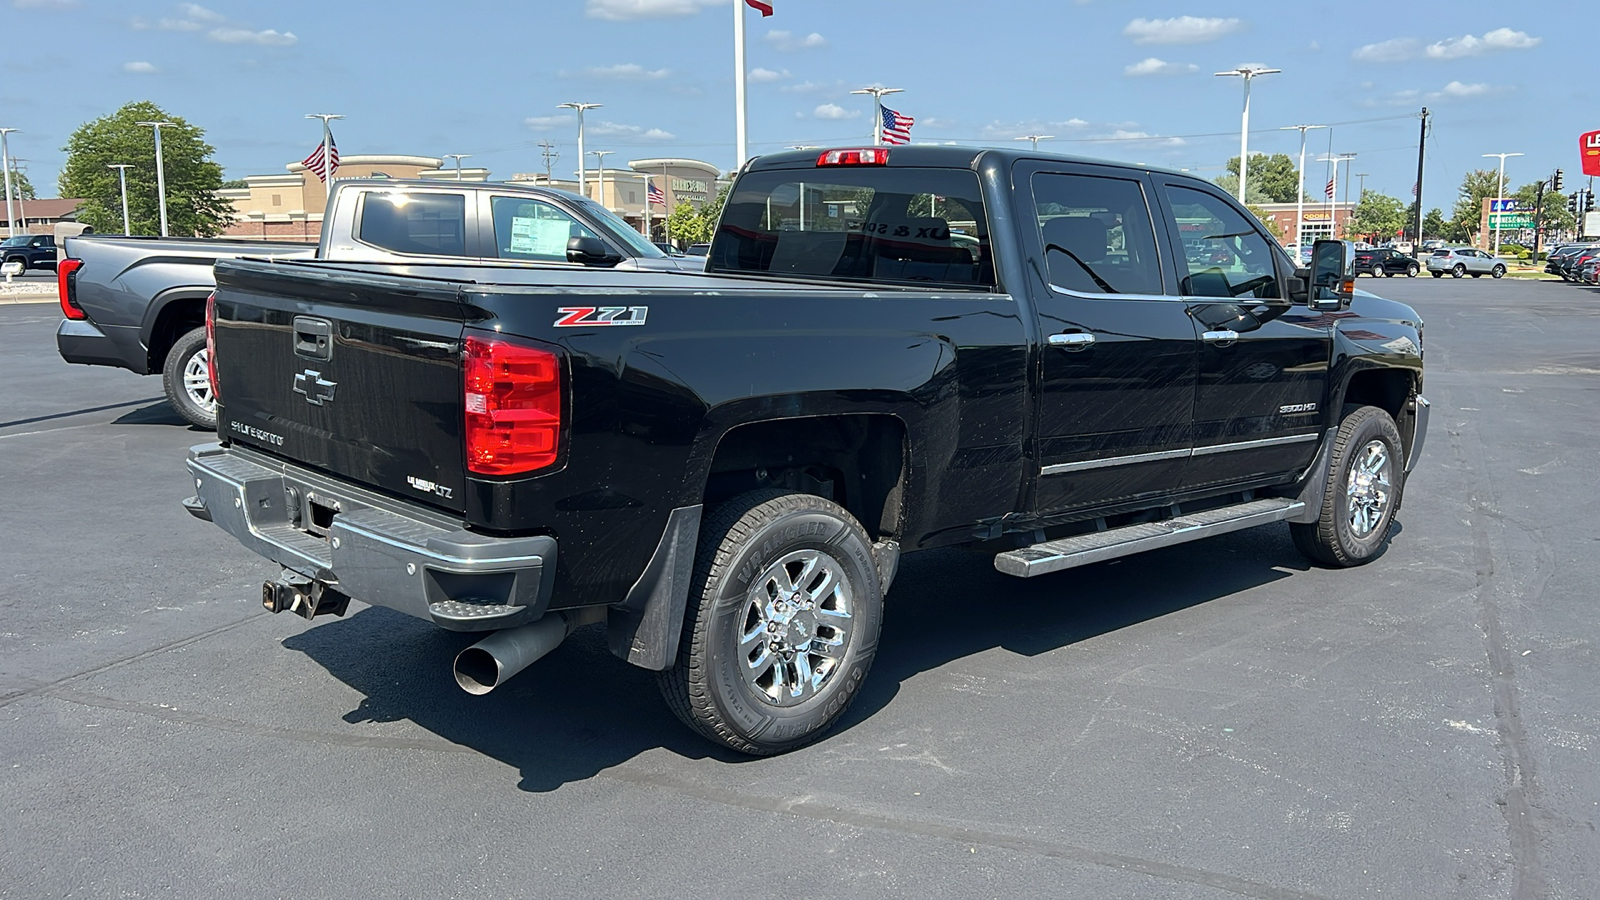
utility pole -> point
(1248, 73)
(877, 110)
(1363, 191)
(5, 163)
(1422, 148)
(22, 207)
(583, 180)
(122, 176)
(550, 154)
(161, 172)
(458, 157)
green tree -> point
(1467, 217)
(1555, 217)
(21, 186)
(685, 225)
(1378, 215)
(193, 179)
(1433, 224)
(1273, 179)
(712, 211)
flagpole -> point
(327, 150)
(739, 111)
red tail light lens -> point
(865, 156)
(211, 345)
(67, 288)
(513, 407)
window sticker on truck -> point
(585, 316)
(430, 487)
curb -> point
(19, 299)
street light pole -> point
(1500, 196)
(122, 176)
(1300, 189)
(1036, 138)
(583, 180)
(877, 110)
(600, 169)
(5, 162)
(1248, 73)
(458, 157)
(161, 173)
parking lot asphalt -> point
(1212, 720)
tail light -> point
(211, 345)
(512, 395)
(67, 288)
(864, 156)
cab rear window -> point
(881, 225)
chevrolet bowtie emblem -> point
(316, 389)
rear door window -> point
(870, 224)
(420, 223)
(533, 230)
(1097, 234)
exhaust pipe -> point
(494, 660)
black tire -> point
(1498, 271)
(1458, 271)
(186, 358)
(1336, 539)
(1411, 270)
(749, 546)
(1437, 274)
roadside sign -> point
(1589, 152)
(1504, 205)
(1508, 220)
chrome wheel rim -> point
(197, 381)
(1369, 490)
(795, 628)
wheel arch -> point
(1390, 389)
(170, 315)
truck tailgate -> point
(361, 379)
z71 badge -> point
(588, 316)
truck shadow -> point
(581, 711)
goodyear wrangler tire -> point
(782, 622)
(1366, 473)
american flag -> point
(896, 127)
(764, 8)
(1329, 189)
(315, 162)
(655, 195)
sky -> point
(1107, 78)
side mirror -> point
(590, 251)
(1332, 282)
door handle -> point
(1221, 338)
(1073, 342)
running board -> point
(1080, 550)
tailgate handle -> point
(313, 338)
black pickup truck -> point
(1061, 361)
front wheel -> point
(1411, 271)
(186, 379)
(782, 622)
(1498, 271)
(1458, 271)
(1360, 495)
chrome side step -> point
(1080, 550)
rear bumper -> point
(372, 548)
(83, 342)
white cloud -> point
(1153, 66)
(1467, 45)
(658, 134)
(1122, 134)
(267, 38)
(179, 25)
(625, 72)
(139, 68)
(1458, 89)
(764, 76)
(546, 123)
(623, 10)
(788, 40)
(199, 13)
(835, 111)
(1392, 50)
(1180, 30)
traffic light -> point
(1572, 202)
(1588, 201)
(1555, 183)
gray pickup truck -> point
(139, 303)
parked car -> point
(723, 468)
(1430, 246)
(34, 251)
(139, 303)
(1572, 259)
(1386, 261)
(1459, 261)
(1589, 272)
(697, 249)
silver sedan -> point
(1459, 261)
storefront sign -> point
(1589, 150)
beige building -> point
(625, 191)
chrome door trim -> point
(1076, 340)
(1084, 465)
(1252, 445)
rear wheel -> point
(1361, 494)
(782, 622)
(186, 379)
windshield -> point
(867, 223)
(638, 243)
